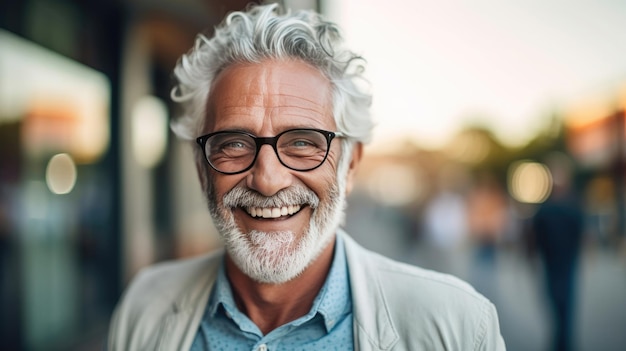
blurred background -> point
(498, 157)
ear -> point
(357, 153)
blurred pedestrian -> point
(488, 216)
(558, 230)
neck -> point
(271, 305)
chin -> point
(276, 257)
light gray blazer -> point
(395, 306)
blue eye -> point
(302, 143)
(231, 145)
(234, 145)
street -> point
(514, 283)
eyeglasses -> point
(233, 152)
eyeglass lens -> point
(297, 149)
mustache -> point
(295, 195)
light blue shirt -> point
(327, 326)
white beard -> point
(277, 257)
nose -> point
(268, 176)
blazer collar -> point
(374, 328)
(180, 326)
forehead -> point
(271, 93)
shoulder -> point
(423, 284)
(423, 290)
(156, 292)
(407, 280)
(448, 312)
(166, 280)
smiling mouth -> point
(272, 212)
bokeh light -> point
(61, 174)
(529, 182)
(149, 131)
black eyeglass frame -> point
(260, 141)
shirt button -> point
(262, 347)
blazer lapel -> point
(373, 326)
(179, 327)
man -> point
(274, 104)
(558, 228)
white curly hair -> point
(268, 32)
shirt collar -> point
(334, 299)
(332, 302)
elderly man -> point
(275, 106)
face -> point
(275, 221)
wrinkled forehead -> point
(291, 89)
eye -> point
(300, 143)
(230, 145)
(302, 139)
(234, 145)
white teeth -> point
(267, 213)
(293, 209)
(273, 212)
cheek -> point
(329, 168)
(222, 184)
(321, 181)
(332, 161)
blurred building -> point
(596, 137)
(93, 186)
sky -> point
(437, 66)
